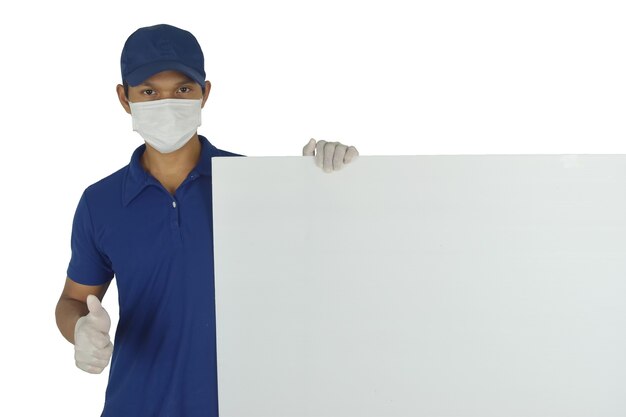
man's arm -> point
(72, 305)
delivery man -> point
(149, 224)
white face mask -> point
(166, 124)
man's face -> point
(165, 84)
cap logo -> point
(165, 47)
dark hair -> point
(126, 88)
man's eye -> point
(148, 92)
(186, 89)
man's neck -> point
(174, 164)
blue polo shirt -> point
(159, 247)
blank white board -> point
(448, 285)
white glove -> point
(330, 155)
(92, 343)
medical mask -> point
(166, 124)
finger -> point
(104, 353)
(95, 358)
(93, 304)
(108, 350)
(90, 337)
(319, 153)
(89, 368)
(329, 151)
(91, 356)
(99, 363)
(351, 153)
(309, 148)
(99, 340)
(340, 153)
(97, 314)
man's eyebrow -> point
(185, 81)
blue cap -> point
(157, 48)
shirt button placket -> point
(175, 216)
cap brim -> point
(146, 71)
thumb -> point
(99, 314)
(309, 148)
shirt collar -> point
(137, 178)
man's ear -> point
(122, 97)
(207, 89)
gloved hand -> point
(330, 155)
(92, 343)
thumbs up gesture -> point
(92, 343)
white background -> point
(390, 77)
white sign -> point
(450, 285)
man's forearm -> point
(67, 312)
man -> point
(149, 224)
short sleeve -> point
(88, 265)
